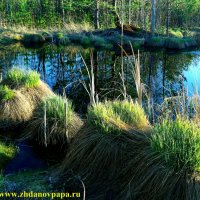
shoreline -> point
(106, 39)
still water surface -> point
(63, 66)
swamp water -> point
(162, 73)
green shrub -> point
(16, 78)
(76, 38)
(6, 93)
(101, 42)
(190, 42)
(178, 143)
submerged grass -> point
(178, 143)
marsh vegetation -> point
(100, 97)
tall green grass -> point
(6, 93)
(113, 117)
(55, 109)
(20, 78)
(178, 143)
(54, 121)
(130, 113)
(104, 118)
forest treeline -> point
(101, 13)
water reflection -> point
(63, 66)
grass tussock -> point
(15, 111)
(60, 121)
(161, 165)
(17, 104)
(29, 84)
(111, 137)
(178, 142)
(99, 158)
(113, 117)
(168, 166)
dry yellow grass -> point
(15, 111)
(36, 94)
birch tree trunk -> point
(153, 17)
(96, 15)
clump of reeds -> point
(168, 167)
(54, 121)
(20, 93)
(109, 139)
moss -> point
(59, 35)
(1, 182)
(6, 93)
(137, 44)
(7, 152)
